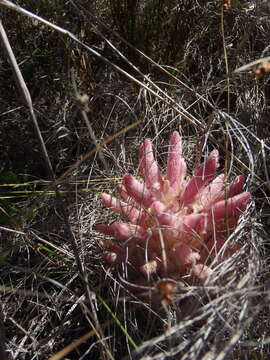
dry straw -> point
(165, 318)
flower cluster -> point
(175, 225)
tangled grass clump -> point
(204, 254)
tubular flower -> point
(175, 226)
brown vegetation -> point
(103, 76)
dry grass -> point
(55, 287)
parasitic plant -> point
(175, 225)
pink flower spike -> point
(176, 166)
(232, 207)
(122, 192)
(211, 193)
(150, 268)
(236, 187)
(121, 207)
(233, 189)
(167, 220)
(183, 256)
(205, 174)
(176, 226)
(164, 217)
(104, 229)
(123, 231)
(149, 168)
(137, 190)
(194, 223)
(202, 272)
(113, 251)
(158, 207)
(110, 246)
(112, 258)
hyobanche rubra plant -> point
(175, 225)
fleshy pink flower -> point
(175, 225)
